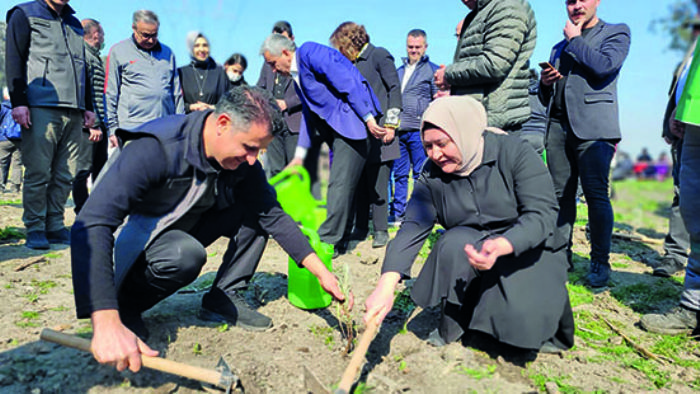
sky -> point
(241, 26)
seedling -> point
(222, 328)
(197, 349)
(345, 321)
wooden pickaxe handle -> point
(156, 363)
(358, 357)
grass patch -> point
(579, 295)
(430, 242)
(541, 379)
(9, 233)
(478, 373)
(325, 333)
(646, 297)
(651, 369)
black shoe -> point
(677, 321)
(134, 322)
(37, 240)
(217, 306)
(61, 236)
(598, 275)
(341, 248)
(550, 348)
(434, 339)
(667, 267)
(381, 238)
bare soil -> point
(399, 360)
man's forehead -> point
(146, 26)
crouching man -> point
(179, 184)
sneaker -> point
(667, 267)
(37, 240)
(381, 238)
(61, 236)
(678, 320)
(598, 275)
(134, 322)
(395, 221)
(218, 306)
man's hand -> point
(95, 135)
(200, 106)
(379, 303)
(439, 77)
(676, 127)
(389, 136)
(113, 141)
(491, 250)
(22, 116)
(114, 344)
(282, 104)
(441, 93)
(295, 162)
(377, 131)
(572, 30)
(328, 281)
(549, 76)
(89, 119)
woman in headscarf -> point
(203, 81)
(497, 268)
(377, 66)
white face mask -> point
(233, 76)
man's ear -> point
(223, 122)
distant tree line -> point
(675, 24)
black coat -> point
(292, 115)
(522, 299)
(377, 66)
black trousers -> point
(99, 158)
(281, 151)
(677, 241)
(373, 193)
(349, 158)
(176, 257)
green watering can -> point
(293, 193)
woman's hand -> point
(381, 300)
(491, 250)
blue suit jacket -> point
(591, 86)
(332, 88)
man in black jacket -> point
(179, 184)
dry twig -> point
(640, 349)
(29, 263)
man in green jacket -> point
(494, 71)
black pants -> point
(176, 257)
(372, 193)
(281, 151)
(349, 158)
(99, 158)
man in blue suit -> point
(583, 126)
(339, 103)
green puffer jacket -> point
(491, 62)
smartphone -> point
(545, 65)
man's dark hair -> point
(247, 105)
(237, 58)
(281, 27)
(418, 33)
(89, 25)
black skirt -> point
(521, 301)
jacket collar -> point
(422, 60)
(193, 129)
(66, 10)
(366, 51)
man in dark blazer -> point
(338, 102)
(583, 123)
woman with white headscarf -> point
(497, 268)
(203, 81)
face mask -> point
(233, 76)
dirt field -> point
(36, 293)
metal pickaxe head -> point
(228, 379)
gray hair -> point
(275, 43)
(89, 25)
(247, 105)
(146, 16)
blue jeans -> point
(412, 156)
(690, 211)
(570, 158)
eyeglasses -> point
(147, 36)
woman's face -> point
(442, 150)
(201, 49)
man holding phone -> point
(579, 86)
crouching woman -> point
(497, 268)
